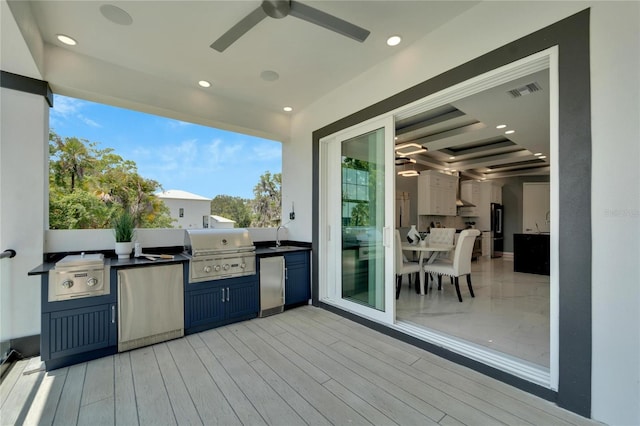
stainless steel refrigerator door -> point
(272, 271)
(150, 305)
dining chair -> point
(460, 265)
(403, 267)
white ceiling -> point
(154, 64)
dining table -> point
(433, 249)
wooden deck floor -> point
(305, 366)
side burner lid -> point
(81, 261)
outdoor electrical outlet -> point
(292, 215)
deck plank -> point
(324, 401)
(366, 410)
(273, 409)
(69, 404)
(126, 411)
(98, 381)
(208, 399)
(9, 381)
(181, 402)
(100, 413)
(152, 400)
(43, 407)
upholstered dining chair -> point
(441, 235)
(403, 267)
(460, 265)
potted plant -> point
(124, 228)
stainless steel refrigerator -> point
(497, 229)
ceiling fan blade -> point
(238, 30)
(330, 22)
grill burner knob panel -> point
(67, 284)
(92, 281)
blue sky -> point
(179, 155)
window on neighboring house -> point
(181, 212)
(205, 221)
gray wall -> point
(512, 202)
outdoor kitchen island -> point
(80, 329)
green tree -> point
(235, 208)
(89, 186)
(267, 201)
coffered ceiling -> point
(463, 136)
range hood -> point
(459, 201)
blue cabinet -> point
(77, 330)
(297, 286)
(210, 304)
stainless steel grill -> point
(219, 253)
(76, 276)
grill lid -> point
(200, 242)
(81, 261)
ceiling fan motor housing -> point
(276, 8)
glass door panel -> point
(363, 219)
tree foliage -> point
(89, 186)
(235, 208)
(267, 201)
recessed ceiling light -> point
(394, 40)
(288, 109)
(538, 154)
(543, 156)
(508, 132)
(452, 158)
(501, 126)
(66, 40)
(204, 83)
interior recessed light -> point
(501, 126)
(452, 158)
(204, 83)
(394, 40)
(66, 40)
(288, 109)
(538, 154)
(508, 132)
(543, 156)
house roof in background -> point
(178, 194)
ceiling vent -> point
(525, 90)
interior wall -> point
(616, 373)
(512, 202)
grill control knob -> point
(67, 284)
(207, 269)
(242, 266)
(92, 281)
(226, 267)
(217, 268)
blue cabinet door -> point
(204, 306)
(243, 298)
(75, 331)
(297, 281)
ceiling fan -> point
(281, 8)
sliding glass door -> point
(358, 190)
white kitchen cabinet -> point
(482, 194)
(437, 194)
(470, 191)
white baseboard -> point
(506, 255)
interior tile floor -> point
(304, 366)
(509, 314)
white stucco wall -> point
(194, 210)
(616, 181)
(24, 123)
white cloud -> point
(69, 109)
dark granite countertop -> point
(114, 262)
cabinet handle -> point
(113, 314)
(222, 294)
(286, 273)
(227, 294)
